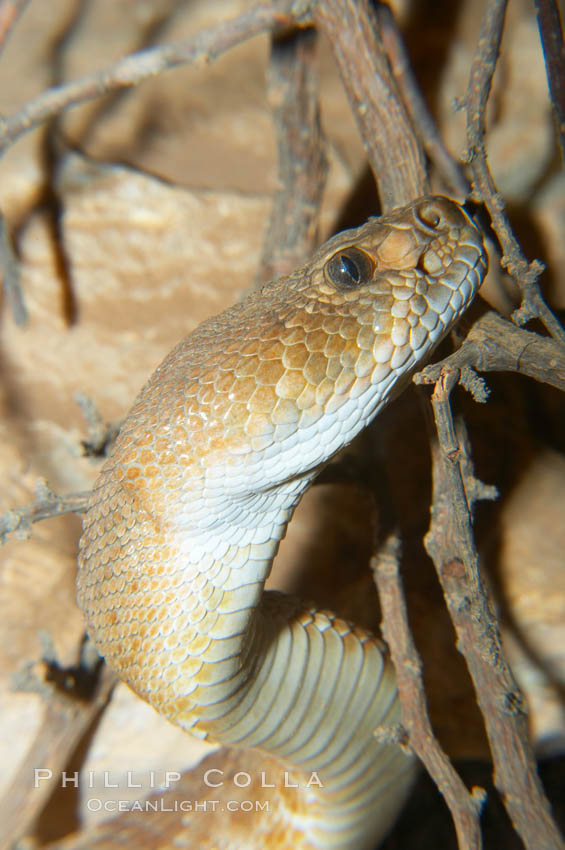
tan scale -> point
(189, 509)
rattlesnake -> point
(189, 509)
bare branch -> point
(450, 544)
(100, 433)
(497, 345)
(293, 91)
(421, 117)
(395, 155)
(203, 48)
(525, 274)
(464, 807)
(47, 505)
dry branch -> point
(464, 807)
(45, 506)
(394, 152)
(525, 352)
(302, 164)
(137, 67)
(421, 117)
(525, 274)
(450, 544)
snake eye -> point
(349, 268)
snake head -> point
(378, 299)
(272, 387)
(423, 263)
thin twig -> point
(497, 345)
(202, 48)
(464, 807)
(293, 92)
(451, 545)
(421, 117)
(525, 274)
(395, 154)
(45, 506)
(551, 33)
(101, 434)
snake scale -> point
(189, 509)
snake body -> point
(188, 511)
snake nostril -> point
(434, 213)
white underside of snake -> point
(189, 509)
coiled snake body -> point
(188, 511)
